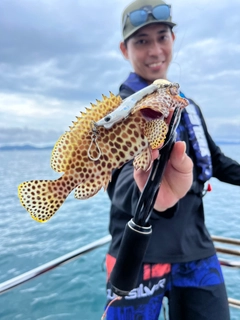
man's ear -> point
(124, 50)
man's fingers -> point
(177, 178)
(179, 159)
(178, 173)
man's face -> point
(149, 51)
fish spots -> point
(124, 135)
(136, 134)
(129, 144)
(121, 163)
(114, 150)
(129, 132)
(111, 143)
(99, 168)
(118, 145)
(110, 156)
(105, 139)
(133, 140)
(112, 136)
(121, 154)
(119, 140)
(94, 154)
(118, 130)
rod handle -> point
(134, 243)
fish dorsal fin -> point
(80, 132)
(96, 112)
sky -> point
(58, 56)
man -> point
(180, 261)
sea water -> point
(76, 290)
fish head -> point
(157, 109)
(161, 102)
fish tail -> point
(42, 198)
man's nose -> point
(155, 49)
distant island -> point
(34, 147)
(24, 147)
(219, 142)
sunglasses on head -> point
(140, 16)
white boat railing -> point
(229, 251)
(227, 263)
(22, 278)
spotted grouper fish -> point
(103, 138)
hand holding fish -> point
(177, 178)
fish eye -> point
(174, 90)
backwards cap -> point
(128, 29)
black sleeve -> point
(224, 168)
(122, 190)
(125, 92)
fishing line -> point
(110, 303)
(181, 42)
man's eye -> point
(141, 41)
(164, 38)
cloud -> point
(58, 56)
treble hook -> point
(94, 140)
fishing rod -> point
(138, 231)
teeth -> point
(155, 64)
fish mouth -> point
(150, 114)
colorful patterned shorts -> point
(195, 291)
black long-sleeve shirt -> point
(179, 234)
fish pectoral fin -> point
(143, 160)
(156, 132)
(42, 198)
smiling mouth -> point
(154, 65)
